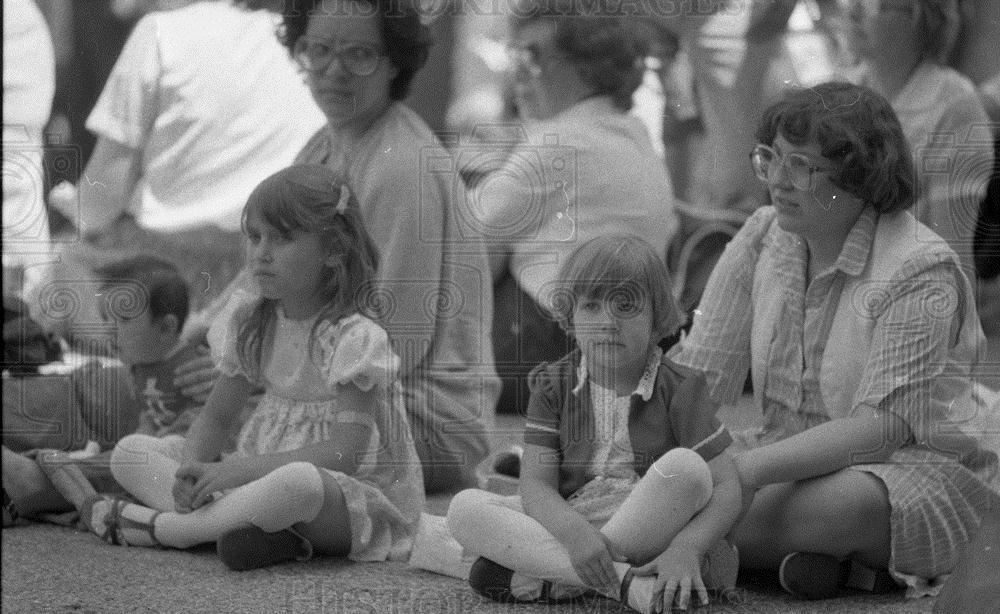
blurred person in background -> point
(201, 105)
(28, 86)
(584, 167)
(901, 48)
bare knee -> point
(862, 520)
(845, 514)
(689, 471)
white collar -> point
(645, 386)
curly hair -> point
(407, 40)
(607, 51)
(857, 130)
(617, 266)
(305, 197)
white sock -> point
(525, 588)
(288, 495)
(640, 593)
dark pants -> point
(524, 335)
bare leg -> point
(844, 514)
(28, 487)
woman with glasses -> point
(860, 331)
(359, 58)
(584, 168)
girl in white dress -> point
(325, 462)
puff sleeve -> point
(356, 350)
(223, 332)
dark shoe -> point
(253, 548)
(491, 580)
(808, 575)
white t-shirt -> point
(28, 87)
(215, 104)
(591, 170)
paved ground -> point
(50, 569)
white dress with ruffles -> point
(301, 406)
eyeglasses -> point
(316, 54)
(799, 169)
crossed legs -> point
(296, 495)
(678, 485)
(843, 514)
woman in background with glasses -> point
(359, 57)
(433, 284)
(861, 333)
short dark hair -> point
(857, 130)
(144, 282)
(606, 50)
(407, 40)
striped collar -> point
(858, 244)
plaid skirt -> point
(936, 506)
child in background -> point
(148, 341)
(607, 413)
(146, 300)
(325, 462)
